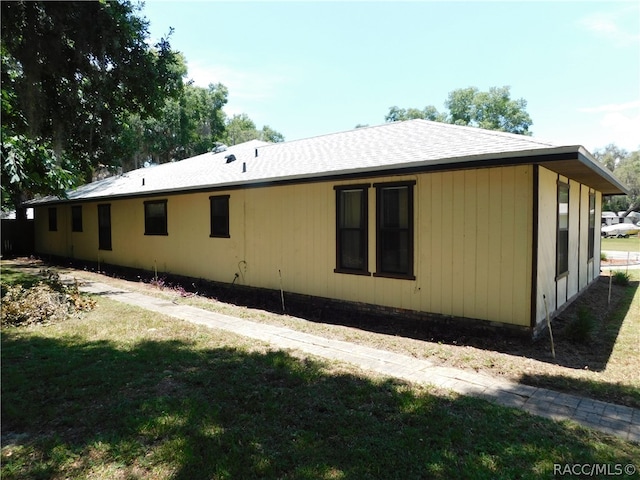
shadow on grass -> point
(166, 409)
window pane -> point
(395, 229)
(76, 218)
(395, 251)
(395, 207)
(155, 218)
(351, 229)
(351, 209)
(562, 253)
(352, 251)
(104, 227)
(53, 219)
(219, 216)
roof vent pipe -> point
(256, 152)
(244, 167)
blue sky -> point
(311, 68)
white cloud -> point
(249, 90)
(612, 107)
(624, 130)
(611, 25)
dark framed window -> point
(394, 230)
(219, 216)
(592, 224)
(155, 217)
(352, 237)
(562, 246)
(53, 219)
(76, 218)
(104, 227)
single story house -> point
(415, 216)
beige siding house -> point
(416, 216)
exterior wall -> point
(582, 269)
(473, 241)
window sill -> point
(219, 236)
(398, 276)
(352, 272)
(157, 234)
(562, 275)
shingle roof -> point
(399, 145)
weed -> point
(621, 278)
(603, 257)
(581, 329)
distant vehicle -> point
(620, 230)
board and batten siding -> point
(473, 235)
(559, 290)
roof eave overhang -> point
(573, 162)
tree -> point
(72, 72)
(186, 126)
(626, 167)
(493, 110)
(240, 128)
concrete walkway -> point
(614, 419)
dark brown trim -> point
(227, 232)
(104, 230)
(534, 246)
(165, 230)
(352, 186)
(409, 275)
(397, 276)
(364, 187)
(560, 183)
(76, 223)
(364, 273)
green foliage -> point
(493, 110)
(71, 73)
(581, 328)
(621, 278)
(625, 166)
(240, 128)
(29, 167)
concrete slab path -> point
(618, 420)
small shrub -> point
(621, 278)
(581, 329)
(603, 257)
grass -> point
(605, 368)
(631, 244)
(125, 393)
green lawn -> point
(631, 244)
(121, 392)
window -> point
(155, 217)
(592, 223)
(76, 218)
(351, 229)
(562, 248)
(104, 227)
(53, 219)
(219, 216)
(394, 211)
